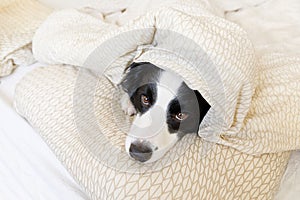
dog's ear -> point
(139, 74)
(203, 105)
(134, 64)
(132, 77)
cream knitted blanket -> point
(19, 20)
(254, 102)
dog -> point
(165, 110)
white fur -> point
(127, 106)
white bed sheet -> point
(290, 186)
(28, 168)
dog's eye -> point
(145, 100)
(181, 116)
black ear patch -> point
(191, 103)
(138, 75)
(203, 105)
(134, 64)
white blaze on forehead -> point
(167, 88)
(170, 79)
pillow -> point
(85, 127)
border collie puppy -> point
(166, 109)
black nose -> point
(140, 151)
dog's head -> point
(167, 109)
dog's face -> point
(167, 109)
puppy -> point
(166, 109)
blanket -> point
(19, 20)
(254, 100)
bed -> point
(30, 170)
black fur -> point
(190, 102)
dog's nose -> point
(140, 151)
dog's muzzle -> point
(140, 151)
(149, 139)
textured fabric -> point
(28, 168)
(273, 121)
(45, 97)
(250, 102)
(19, 20)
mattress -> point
(28, 168)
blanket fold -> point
(19, 20)
(250, 99)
